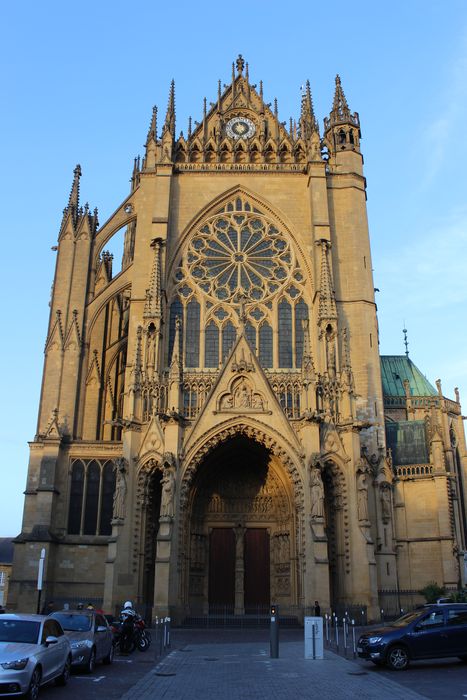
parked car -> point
(435, 631)
(33, 651)
(90, 637)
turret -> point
(341, 128)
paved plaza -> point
(234, 671)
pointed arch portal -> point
(240, 531)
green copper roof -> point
(397, 368)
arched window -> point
(301, 314)
(76, 498)
(250, 332)
(211, 345)
(176, 310)
(285, 334)
(228, 339)
(108, 489)
(92, 498)
(265, 345)
(192, 334)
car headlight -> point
(17, 665)
(79, 645)
(374, 640)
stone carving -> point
(242, 397)
(385, 497)
(317, 493)
(119, 504)
(362, 497)
(168, 493)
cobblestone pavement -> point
(245, 671)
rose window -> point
(239, 254)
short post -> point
(363, 618)
(161, 637)
(40, 574)
(313, 637)
(344, 630)
(168, 632)
(274, 632)
(326, 619)
(354, 647)
(382, 615)
(336, 622)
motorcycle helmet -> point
(127, 604)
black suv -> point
(429, 633)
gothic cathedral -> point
(217, 429)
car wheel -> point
(34, 685)
(65, 675)
(110, 656)
(90, 666)
(397, 658)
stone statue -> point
(362, 496)
(243, 397)
(385, 501)
(168, 493)
(317, 494)
(119, 506)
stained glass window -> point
(265, 345)
(228, 339)
(301, 314)
(76, 498)
(211, 345)
(192, 334)
(250, 332)
(108, 488)
(285, 334)
(92, 498)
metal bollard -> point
(344, 632)
(382, 615)
(337, 633)
(354, 647)
(326, 618)
(274, 632)
(168, 632)
(161, 637)
(313, 638)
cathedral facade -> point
(217, 429)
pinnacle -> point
(74, 194)
(152, 133)
(169, 124)
(340, 108)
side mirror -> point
(51, 640)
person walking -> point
(317, 609)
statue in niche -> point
(227, 401)
(385, 496)
(317, 493)
(362, 497)
(119, 505)
(168, 493)
(151, 348)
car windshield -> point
(19, 631)
(406, 619)
(74, 622)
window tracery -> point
(239, 264)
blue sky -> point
(78, 85)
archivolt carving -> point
(144, 519)
(201, 449)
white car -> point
(33, 651)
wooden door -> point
(222, 570)
(257, 573)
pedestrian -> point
(89, 606)
(48, 608)
(317, 609)
(80, 606)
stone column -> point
(239, 570)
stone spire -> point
(169, 124)
(340, 109)
(153, 308)
(152, 133)
(73, 201)
(308, 122)
(344, 126)
(327, 302)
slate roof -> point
(6, 550)
(395, 369)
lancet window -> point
(239, 267)
(91, 497)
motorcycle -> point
(126, 641)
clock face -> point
(240, 128)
